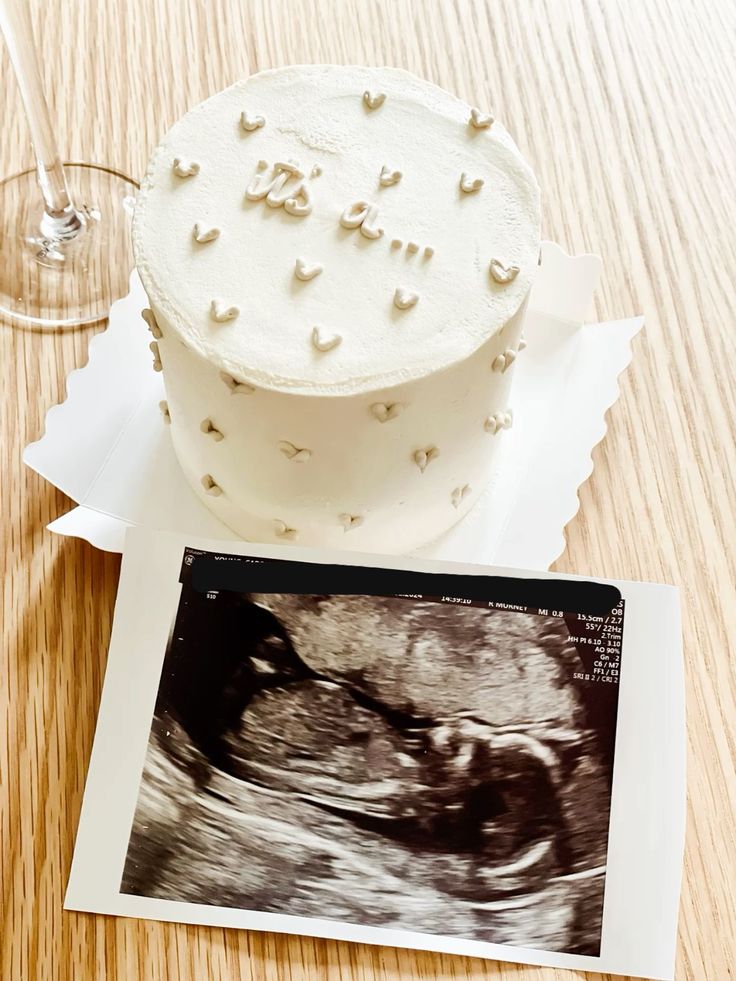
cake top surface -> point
(336, 230)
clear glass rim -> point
(25, 321)
(79, 164)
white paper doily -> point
(106, 446)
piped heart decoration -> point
(282, 530)
(498, 421)
(459, 494)
(325, 343)
(150, 319)
(501, 273)
(405, 298)
(503, 361)
(306, 272)
(480, 120)
(384, 411)
(424, 457)
(157, 366)
(374, 100)
(236, 387)
(185, 168)
(202, 234)
(389, 177)
(470, 185)
(250, 123)
(350, 521)
(211, 486)
(294, 453)
(222, 313)
(210, 429)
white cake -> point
(338, 262)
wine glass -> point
(65, 251)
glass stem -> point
(60, 219)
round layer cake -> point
(337, 261)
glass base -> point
(50, 283)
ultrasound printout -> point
(390, 750)
(438, 763)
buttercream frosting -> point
(351, 249)
(348, 122)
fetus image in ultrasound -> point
(388, 761)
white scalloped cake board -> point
(107, 447)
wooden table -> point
(626, 112)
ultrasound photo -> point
(429, 764)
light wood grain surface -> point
(626, 112)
